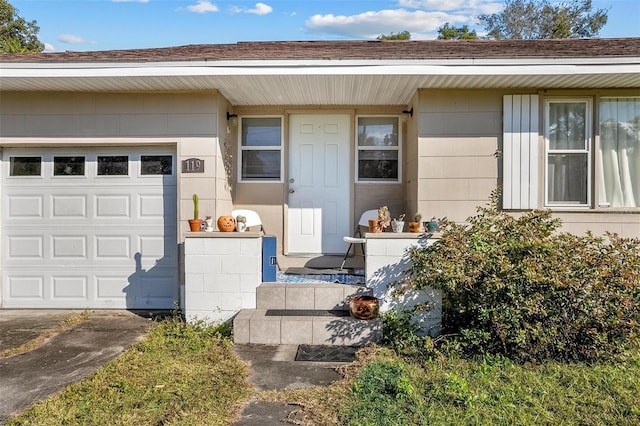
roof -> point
(333, 72)
(370, 49)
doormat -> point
(309, 275)
(306, 313)
(296, 270)
(321, 353)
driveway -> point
(65, 357)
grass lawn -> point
(187, 375)
(384, 389)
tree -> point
(533, 19)
(449, 32)
(16, 34)
(405, 35)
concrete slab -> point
(18, 327)
(64, 358)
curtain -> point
(619, 173)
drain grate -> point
(319, 353)
(306, 313)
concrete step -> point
(321, 296)
(261, 326)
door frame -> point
(351, 172)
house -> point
(102, 151)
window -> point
(156, 165)
(68, 166)
(378, 155)
(568, 152)
(261, 149)
(619, 171)
(113, 165)
(25, 166)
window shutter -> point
(520, 152)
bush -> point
(384, 394)
(517, 286)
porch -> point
(223, 282)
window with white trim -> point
(619, 159)
(378, 156)
(567, 130)
(261, 149)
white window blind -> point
(520, 152)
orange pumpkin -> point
(226, 223)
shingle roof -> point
(356, 50)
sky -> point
(83, 25)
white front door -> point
(318, 215)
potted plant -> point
(397, 224)
(195, 224)
(241, 223)
(382, 222)
(432, 225)
(415, 226)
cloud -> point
(373, 24)
(470, 6)
(259, 9)
(421, 18)
(72, 39)
(49, 47)
(203, 6)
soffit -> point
(318, 89)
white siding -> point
(520, 151)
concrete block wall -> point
(387, 260)
(222, 272)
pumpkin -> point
(226, 223)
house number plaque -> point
(193, 165)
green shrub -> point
(515, 285)
(402, 334)
(384, 394)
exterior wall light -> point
(232, 119)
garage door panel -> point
(25, 288)
(156, 206)
(113, 247)
(69, 247)
(69, 287)
(28, 247)
(25, 207)
(89, 241)
(112, 206)
(113, 289)
(69, 206)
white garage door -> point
(89, 228)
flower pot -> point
(364, 307)
(195, 225)
(226, 224)
(415, 227)
(397, 226)
(432, 226)
(374, 226)
(241, 226)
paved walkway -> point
(275, 368)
